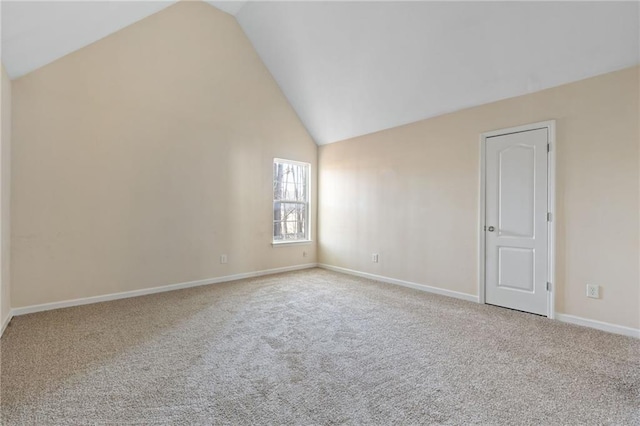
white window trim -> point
(291, 243)
(308, 240)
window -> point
(290, 201)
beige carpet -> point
(311, 347)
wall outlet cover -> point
(593, 291)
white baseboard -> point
(142, 292)
(5, 323)
(599, 325)
(571, 319)
(422, 287)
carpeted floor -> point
(311, 347)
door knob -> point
(491, 229)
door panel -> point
(515, 268)
(516, 220)
(516, 191)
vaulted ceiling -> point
(35, 33)
(351, 68)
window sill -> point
(291, 243)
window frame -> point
(307, 203)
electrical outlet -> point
(593, 291)
(304, 254)
(223, 258)
(374, 257)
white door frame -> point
(550, 125)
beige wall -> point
(5, 186)
(141, 158)
(411, 194)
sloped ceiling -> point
(352, 68)
(232, 7)
(35, 33)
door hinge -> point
(548, 216)
(548, 286)
(548, 147)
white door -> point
(516, 221)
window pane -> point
(289, 182)
(284, 231)
(289, 221)
(289, 211)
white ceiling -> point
(232, 7)
(35, 33)
(351, 68)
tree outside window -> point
(290, 201)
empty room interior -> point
(320, 212)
